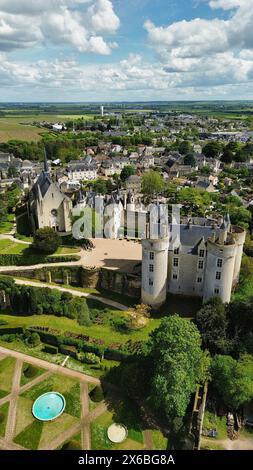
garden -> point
(78, 424)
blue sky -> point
(101, 50)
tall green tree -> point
(152, 183)
(212, 149)
(46, 241)
(177, 358)
(212, 323)
(233, 380)
(127, 171)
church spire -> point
(46, 167)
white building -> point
(192, 260)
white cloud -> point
(208, 52)
(80, 23)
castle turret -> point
(224, 255)
(240, 236)
(155, 270)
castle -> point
(192, 260)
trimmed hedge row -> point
(30, 260)
(11, 331)
(59, 341)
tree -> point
(233, 380)
(227, 156)
(127, 171)
(152, 183)
(212, 323)
(79, 310)
(212, 149)
(177, 359)
(189, 159)
(46, 241)
(185, 147)
(240, 216)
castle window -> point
(176, 251)
(219, 263)
(199, 280)
(216, 291)
(151, 268)
(218, 275)
(201, 253)
(201, 265)
(151, 282)
(175, 262)
(151, 255)
(175, 277)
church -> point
(48, 206)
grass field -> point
(7, 366)
(20, 127)
(9, 247)
(7, 225)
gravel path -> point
(74, 292)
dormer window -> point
(201, 253)
(176, 251)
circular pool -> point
(49, 406)
(117, 433)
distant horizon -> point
(127, 102)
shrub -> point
(121, 324)
(30, 371)
(71, 445)
(97, 394)
(50, 349)
(46, 240)
(88, 358)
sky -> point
(126, 50)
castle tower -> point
(154, 270)
(240, 236)
(220, 265)
(131, 202)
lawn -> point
(159, 441)
(3, 418)
(100, 441)
(7, 225)
(211, 421)
(30, 372)
(7, 366)
(31, 433)
(105, 331)
(9, 247)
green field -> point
(21, 128)
(7, 225)
(11, 248)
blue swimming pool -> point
(49, 406)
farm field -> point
(20, 127)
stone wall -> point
(78, 276)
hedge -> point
(58, 340)
(50, 349)
(11, 331)
(30, 260)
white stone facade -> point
(204, 262)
